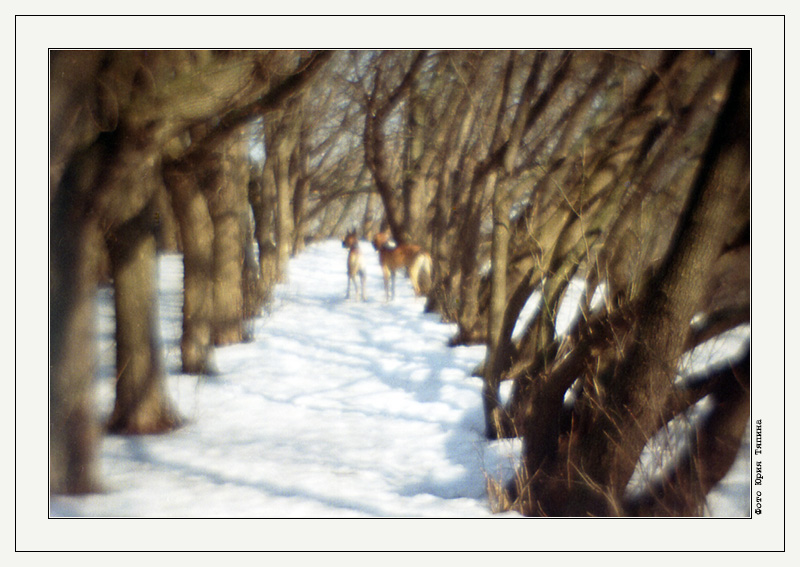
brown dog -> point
(412, 258)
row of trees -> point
(141, 142)
(520, 171)
(629, 170)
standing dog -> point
(354, 266)
(412, 258)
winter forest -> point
(515, 172)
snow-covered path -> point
(337, 408)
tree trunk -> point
(645, 378)
(141, 405)
(283, 214)
(497, 352)
(197, 235)
(262, 201)
(440, 298)
(682, 491)
(614, 430)
(470, 330)
(226, 191)
(251, 271)
(302, 186)
(413, 171)
(446, 269)
(74, 432)
(498, 355)
(167, 230)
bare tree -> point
(184, 172)
(581, 163)
(524, 173)
(104, 179)
(579, 460)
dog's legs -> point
(386, 281)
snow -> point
(336, 408)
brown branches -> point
(377, 113)
(271, 100)
(636, 178)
